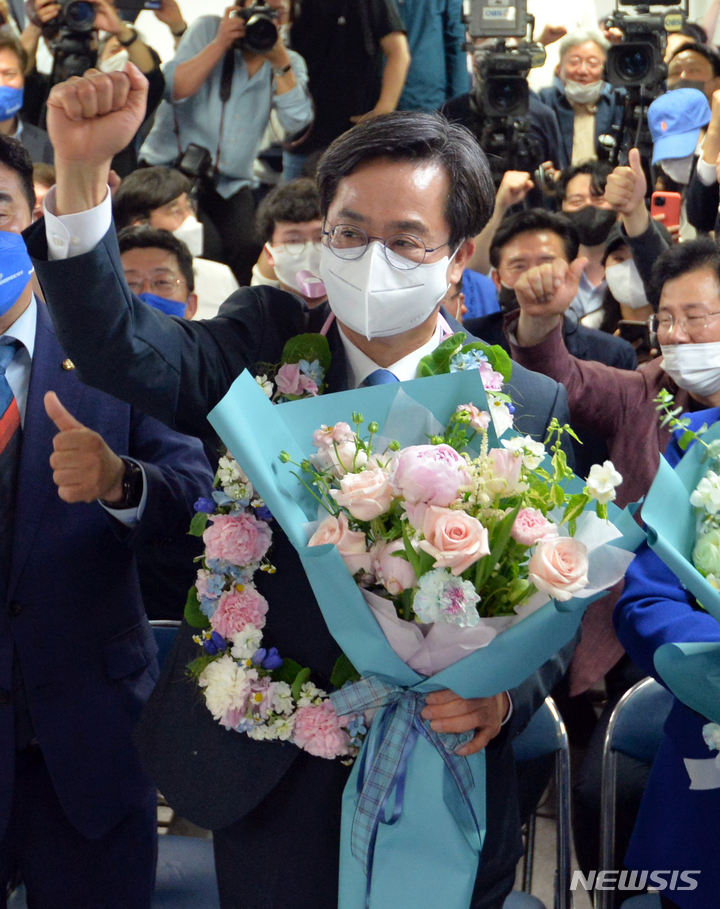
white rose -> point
(707, 493)
(706, 555)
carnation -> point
(441, 597)
(317, 730)
(237, 609)
(239, 538)
(227, 687)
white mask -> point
(377, 300)
(626, 285)
(115, 62)
(577, 93)
(289, 267)
(192, 233)
(679, 169)
(695, 367)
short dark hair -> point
(709, 53)
(8, 41)
(599, 172)
(418, 137)
(140, 236)
(16, 157)
(296, 202)
(695, 31)
(532, 221)
(144, 190)
(681, 259)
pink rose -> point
(506, 466)
(530, 526)
(366, 495)
(559, 567)
(327, 436)
(317, 730)
(238, 538)
(350, 543)
(434, 474)
(394, 573)
(238, 608)
(454, 539)
(479, 419)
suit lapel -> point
(337, 376)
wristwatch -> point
(132, 487)
(278, 72)
(132, 40)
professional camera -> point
(72, 39)
(261, 33)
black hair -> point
(144, 237)
(681, 259)
(16, 157)
(532, 221)
(709, 53)
(695, 31)
(144, 190)
(8, 41)
(599, 172)
(417, 136)
(296, 202)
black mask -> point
(592, 224)
(689, 83)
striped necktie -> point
(379, 377)
(10, 437)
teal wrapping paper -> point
(428, 856)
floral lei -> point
(247, 687)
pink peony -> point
(350, 543)
(328, 436)
(454, 539)
(506, 466)
(366, 495)
(394, 573)
(479, 419)
(530, 526)
(434, 474)
(559, 567)
(239, 539)
(238, 608)
(317, 730)
(416, 514)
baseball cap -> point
(675, 120)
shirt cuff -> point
(77, 234)
(510, 710)
(707, 173)
(130, 516)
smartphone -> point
(635, 332)
(137, 6)
(667, 204)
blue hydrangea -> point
(208, 606)
(313, 370)
(222, 499)
(470, 359)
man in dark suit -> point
(77, 657)
(397, 192)
(13, 65)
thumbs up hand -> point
(626, 186)
(84, 467)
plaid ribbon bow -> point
(382, 772)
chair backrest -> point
(165, 631)
(636, 730)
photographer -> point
(215, 58)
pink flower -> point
(317, 730)
(454, 539)
(530, 526)
(366, 495)
(394, 573)
(492, 381)
(506, 466)
(288, 379)
(559, 567)
(327, 436)
(479, 419)
(307, 386)
(350, 543)
(416, 514)
(434, 474)
(239, 539)
(238, 608)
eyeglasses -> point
(161, 287)
(296, 247)
(664, 323)
(403, 251)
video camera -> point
(261, 33)
(72, 39)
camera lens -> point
(261, 34)
(634, 63)
(80, 16)
(506, 96)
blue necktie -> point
(10, 437)
(379, 377)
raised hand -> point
(549, 289)
(626, 186)
(84, 467)
(514, 186)
(232, 28)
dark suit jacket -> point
(38, 144)
(72, 607)
(177, 371)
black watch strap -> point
(132, 486)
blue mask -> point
(170, 307)
(15, 269)
(11, 100)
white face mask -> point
(695, 367)
(678, 169)
(626, 285)
(377, 300)
(577, 93)
(289, 267)
(115, 62)
(192, 233)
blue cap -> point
(675, 120)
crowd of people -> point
(165, 225)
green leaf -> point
(308, 347)
(193, 615)
(498, 358)
(196, 667)
(438, 362)
(198, 523)
(287, 672)
(343, 672)
(558, 495)
(412, 556)
(575, 507)
(685, 439)
(500, 538)
(300, 680)
(601, 511)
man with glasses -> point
(402, 196)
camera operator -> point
(218, 60)
(695, 65)
(586, 107)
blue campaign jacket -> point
(71, 603)
(676, 825)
